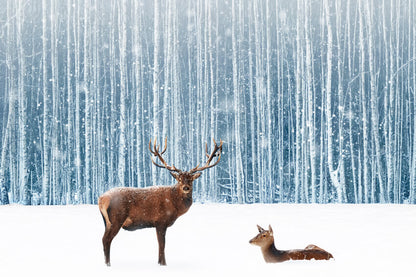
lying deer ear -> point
(260, 229)
(270, 229)
(196, 176)
(175, 175)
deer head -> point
(264, 237)
(186, 178)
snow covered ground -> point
(211, 240)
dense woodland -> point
(315, 100)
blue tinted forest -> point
(315, 100)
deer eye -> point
(186, 188)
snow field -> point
(210, 240)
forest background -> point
(314, 100)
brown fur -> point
(159, 207)
(271, 254)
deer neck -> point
(183, 202)
(272, 255)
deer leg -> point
(108, 237)
(161, 232)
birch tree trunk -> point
(138, 88)
(396, 98)
(4, 194)
(366, 179)
(113, 113)
(46, 111)
(77, 73)
(333, 172)
(70, 113)
(55, 151)
(350, 115)
(236, 93)
(310, 103)
(260, 91)
(341, 106)
(413, 163)
(390, 104)
(386, 105)
(374, 102)
(156, 73)
(123, 95)
(252, 101)
(298, 105)
(280, 102)
(269, 104)
(7, 130)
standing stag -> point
(159, 207)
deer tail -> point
(103, 204)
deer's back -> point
(140, 208)
(308, 254)
(273, 255)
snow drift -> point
(211, 239)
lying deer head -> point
(264, 238)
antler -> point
(210, 157)
(159, 155)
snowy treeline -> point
(315, 100)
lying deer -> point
(159, 207)
(265, 240)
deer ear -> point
(196, 175)
(175, 175)
(270, 229)
(260, 229)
